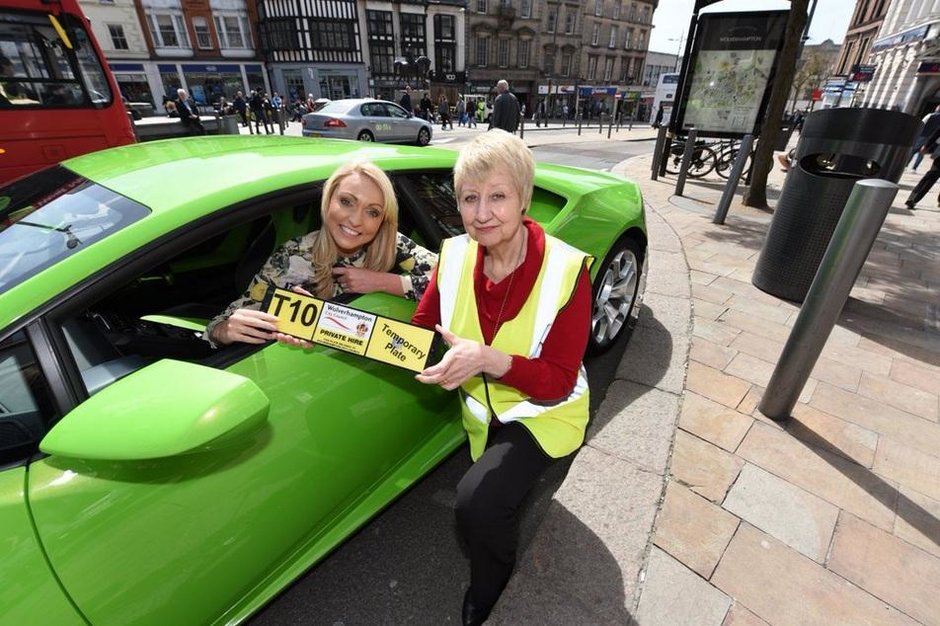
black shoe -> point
(474, 615)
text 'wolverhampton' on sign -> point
(351, 330)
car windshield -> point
(52, 214)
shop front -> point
(132, 81)
(336, 82)
(207, 83)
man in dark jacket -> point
(241, 107)
(505, 109)
(256, 103)
(188, 113)
(405, 101)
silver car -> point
(365, 119)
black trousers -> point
(926, 182)
(488, 501)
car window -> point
(337, 107)
(393, 110)
(161, 311)
(435, 201)
(52, 214)
(373, 109)
(26, 409)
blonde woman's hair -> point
(380, 252)
(495, 151)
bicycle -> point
(701, 163)
(727, 155)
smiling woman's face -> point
(355, 214)
(491, 209)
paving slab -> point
(673, 594)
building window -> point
(549, 62)
(552, 20)
(445, 44)
(523, 55)
(481, 6)
(641, 40)
(413, 35)
(481, 51)
(168, 30)
(118, 40)
(623, 71)
(613, 37)
(627, 38)
(502, 53)
(382, 56)
(281, 34)
(233, 31)
(379, 24)
(333, 35)
(596, 33)
(616, 10)
(566, 64)
(571, 21)
(632, 16)
(526, 9)
(646, 15)
(592, 67)
(444, 28)
(608, 69)
(599, 8)
(203, 37)
(505, 4)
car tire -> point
(365, 135)
(614, 291)
(424, 137)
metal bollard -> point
(862, 217)
(521, 126)
(686, 159)
(744, 153)
(658, 151)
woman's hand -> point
(359, 280)
(246, 326)
(463, 360)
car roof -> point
(169, 176)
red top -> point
(553, 374)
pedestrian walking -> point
(930, 177)
(443, 108)
(241, 108)
(405, 101)
(461, 111)
(256, 104)
(505, 109)
(931, 123)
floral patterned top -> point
(290, 266)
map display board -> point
(732, 64)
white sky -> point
(671, 19)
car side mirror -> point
(139, 418)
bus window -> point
(58, 98)
(47, 61)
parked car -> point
(147, 478)
(367, 120)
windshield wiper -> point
(71, 240)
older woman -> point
(514, 304)
(356, 251)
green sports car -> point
(147, 478)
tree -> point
(809, 74)
(756, 194)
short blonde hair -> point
(495, 151)
(380, 252)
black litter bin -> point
(837, 148)
(783, 137)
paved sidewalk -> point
(687, 506)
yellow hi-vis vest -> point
(558, 426)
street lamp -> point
(681, 40)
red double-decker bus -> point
(58, 98)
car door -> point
(203, 535)
(29, 592)
(404, 128)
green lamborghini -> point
(148, 478)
